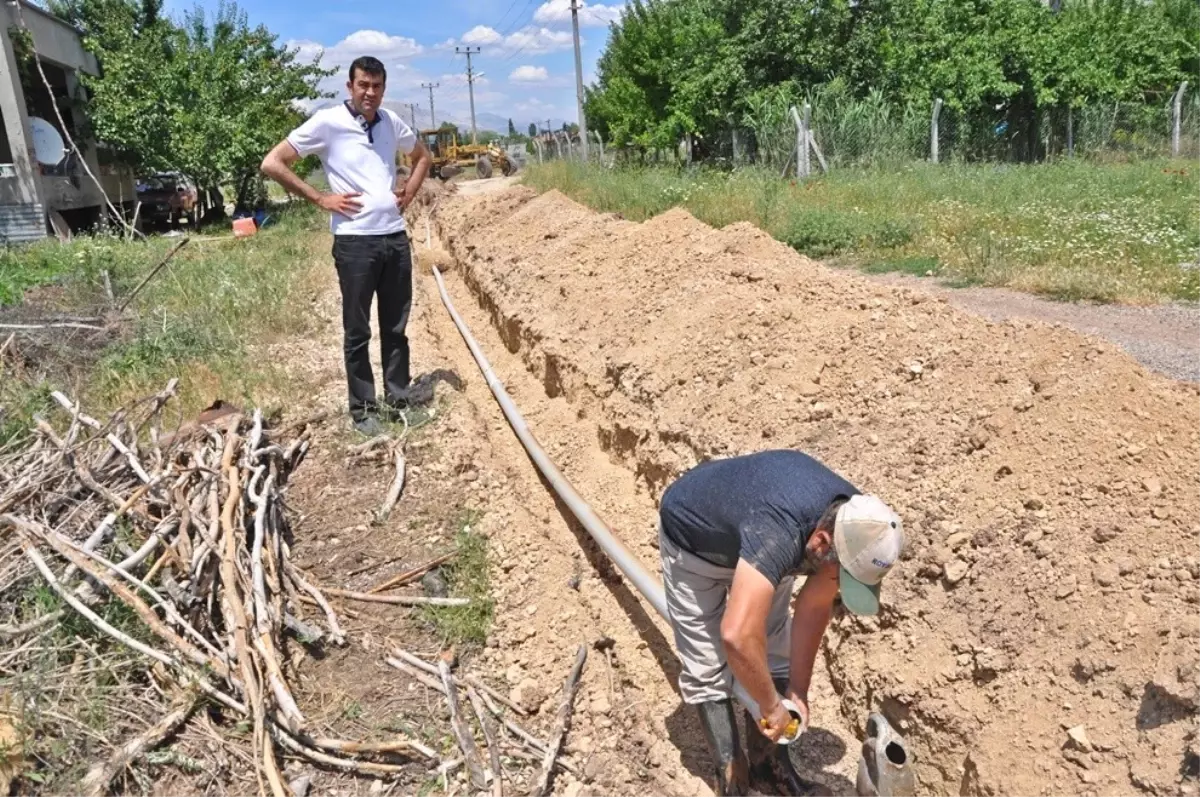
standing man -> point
(733, 534)
(357, 142)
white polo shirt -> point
(355, 163)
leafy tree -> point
(696, 66)
(512, 129)
(207, 97)
(533, 131)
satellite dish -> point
(48, 145)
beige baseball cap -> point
(868, 537)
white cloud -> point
(558, 12)
(391, 50)
(529, 74)
(481, 34)
(532, 40)
(538, 41)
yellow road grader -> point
(451, 158)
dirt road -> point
(1165, 337)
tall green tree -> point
(677, 66)
(206, 97)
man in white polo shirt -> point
(357, 142)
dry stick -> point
(412, 575)
(54, 584)
(416, 671)
(57, 325)
(531, 741)
(393, 493)
(70, 552)
(471, 680)
(232, 601)
(397, 746)
(262, 627)
(570, 688)
(151, 275)
(489, 736)
(95, 782)
(461, 728)
(399, 600)
(335, 630)
(14, 631)
(281, 735)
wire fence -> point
(848, 131)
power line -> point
(511, 6)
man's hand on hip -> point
(346, 204)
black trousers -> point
(369, 266)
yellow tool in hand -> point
(793, 729)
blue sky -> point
(527, 61)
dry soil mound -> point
(1047, 481)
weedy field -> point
(193, 321)
(1072, 230)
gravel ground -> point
(1165, 337)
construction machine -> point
(451, 158)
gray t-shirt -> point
(760, 507)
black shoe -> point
(720, 729)
(370, 426)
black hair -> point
(830, 515)
(369, 65)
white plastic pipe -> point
(641, 578)
(622, 557)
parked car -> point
(168, 198)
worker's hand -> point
(402, 200)
(346, 204)
(775, 722)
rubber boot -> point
(720, 729)
(771, 770)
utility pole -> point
(412, 113)
(470, 88)
(583, 133)
(431, 87)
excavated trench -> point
(1048, 482)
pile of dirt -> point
(1047, 481)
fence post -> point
(803, 166)
(1177, 121)
(933, 130)
(537, 145)
(600, 142)
(1070, 132)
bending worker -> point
(733, 534)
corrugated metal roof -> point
(22, 223)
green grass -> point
(196, 320)
(1072, 229)
(468, 577)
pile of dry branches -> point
(202, 558)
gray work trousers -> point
(696, 594)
